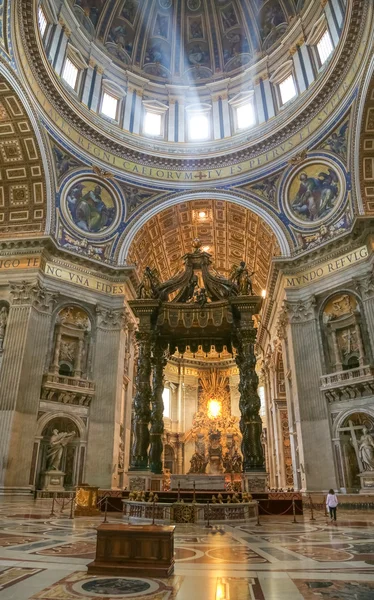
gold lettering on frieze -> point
(90, 282)
(19, 262)
(327, 268)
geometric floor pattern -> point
(44, 557)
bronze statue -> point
(198, 463)
(242, 279)
(149, 287)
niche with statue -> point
(344, 333)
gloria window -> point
(167, 403)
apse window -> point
(42, 20)
(198, 127)
(70, 73)
(152, 123)
(245, 116)
(287, 89)
(167, 403)
(325, 47)
(109, 105)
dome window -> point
(152, 123)
(243, 110)
(325, 47)
(111, 100)
(198, 120)
(284, 83)
(287, 89)
(109, 105)
(320, 42)
(154, 118)
(70, 73)
(42, 20)
(199, 127)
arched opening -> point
(355, 450)
(228, 231)
(63, 458)
(203, 412)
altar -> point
(201, 481)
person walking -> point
(332, 503)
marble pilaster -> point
(317, 468)
(105, 408)
(21, 375)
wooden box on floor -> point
(134, 550)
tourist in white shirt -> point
(332, 503)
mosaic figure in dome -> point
(91, 206)
(316, 195)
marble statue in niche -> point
(56, 447)
(91, 206)
(314, 193)
(366, 450)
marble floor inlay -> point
(44, 557)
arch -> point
(136, 224)
(346, 413)
(46, 418)
(366, 88)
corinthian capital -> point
(282, 323)
(301, 310)
(32, 294)
(111, 318)
(365, 286)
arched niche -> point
(71, 343)
(348, 435)
(343, 333)
(72, 461)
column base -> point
(15, 491)
(53, 481)
(367, 482)
(255, 481)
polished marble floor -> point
(44, 557)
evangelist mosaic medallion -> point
(91, 206)
(314, 192)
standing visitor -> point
(332, 503)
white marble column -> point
(28, 329)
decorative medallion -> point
(91, 206)
(123, 587)
(314, 192)
(193, 4)
(165, 3)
